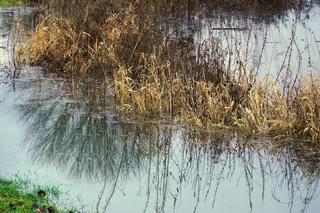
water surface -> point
(57, 133)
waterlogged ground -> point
(58, 133)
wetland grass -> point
(128, 150)
(19, 195)
(9, 3)
(154, 75)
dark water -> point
(55, 132)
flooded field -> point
(55, 131)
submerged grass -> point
(154, 75)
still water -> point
(56, 134)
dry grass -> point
(154, 76)
(52, 45)
(268, 111)
(261, 109)
(59, 45)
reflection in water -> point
(157, 167)
(286, 49)
(262, 11)
(171, 168)
(8, 19)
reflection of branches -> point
(80, 141)
(257, 11)
(249, 177)
(115, 184)
(78, 138)
(148, 182)
(292, 170)
(218, 183)
(262, 177)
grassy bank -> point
(153, 75)
(19, 195)
(8, 3)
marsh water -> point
(54, 132)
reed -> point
(153, 75)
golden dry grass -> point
(262, 109)
(268, 111)
(154, 77)
(59, 45)
(52, 44)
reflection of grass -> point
(8, 3)
(84, 134)
(80, 139)
(22, 196)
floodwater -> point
(282, 47)
(56, 134)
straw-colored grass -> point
(261, 109)
(153, 76)
(59, 45)
(268, 111)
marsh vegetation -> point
(20, 195)
(125, 46)
(170, 105)
(165, 167)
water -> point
(57, 133)
(283, 47)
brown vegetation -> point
(153, 75)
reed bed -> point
(154, 75)
(259, 109)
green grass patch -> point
(20, 195)
(8, 3)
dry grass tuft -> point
(52, 45)
(59, 45)
(268, 111)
